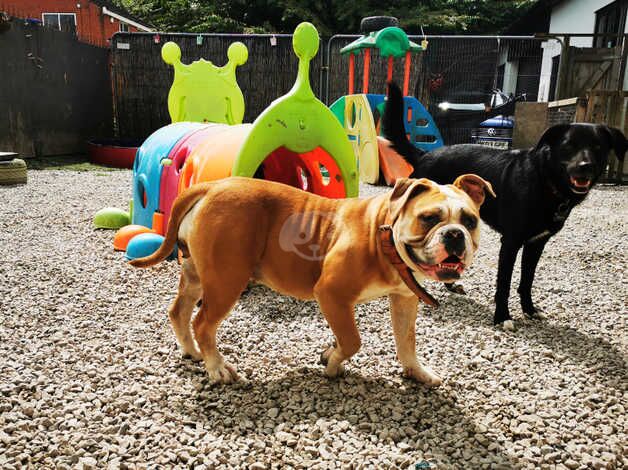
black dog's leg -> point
(529, 261)
(507, 257)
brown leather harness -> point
(388, 247)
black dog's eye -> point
(469, 221)
(430, 219)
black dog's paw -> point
(534, 313)
(455, 288)
(504, 320)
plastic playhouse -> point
(355, 111)
(297, 141)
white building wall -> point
(511, 71)
(569, 16)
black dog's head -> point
(577, 154)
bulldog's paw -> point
(324, 357)
(223, 373)
(333, 371)
(422, 374)
(193, 354)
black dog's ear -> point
(551, 136)
(617, 139)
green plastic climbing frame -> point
(202, 92)
(299, 122)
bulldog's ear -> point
(617, 139)
(551, 136)
(404, 190)
(475, 187)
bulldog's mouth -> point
(580, 184)
(451, 268)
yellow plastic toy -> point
(297, 140)
(202, 92)
(360, 128)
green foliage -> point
(329, 16)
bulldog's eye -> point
(430, 219)
(469, 221)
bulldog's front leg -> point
(403, 312)
(341, 320)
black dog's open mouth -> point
(580, 184)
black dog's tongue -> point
(580, 182)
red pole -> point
(367, 64)
(351, 72)
(390, 68)
(406, 73)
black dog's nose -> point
(585, 166)
(453, 239)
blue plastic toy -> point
(145, 244)
(147, 169)
(418, 122)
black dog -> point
(536, 188)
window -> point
(124, 27)
(61, 21)
(612, 20)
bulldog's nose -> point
(585, 166)
(454, 242)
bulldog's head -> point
(436, 227)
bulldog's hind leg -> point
(403, 312)
(180, 312)
(220, 293)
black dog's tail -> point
(393, 127)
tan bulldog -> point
(340, 252)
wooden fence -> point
(55, 91)
(611, 108)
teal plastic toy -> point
(203, 92)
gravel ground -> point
(91, 376)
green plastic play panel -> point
(299, 122)
(391, 41)
(203, 92)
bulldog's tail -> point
(393, 127)
(182, 206)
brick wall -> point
(92, 25)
